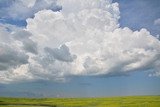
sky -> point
(79, 48)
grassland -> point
(129, 101)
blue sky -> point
(135, 14)
(138, 14)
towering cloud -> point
(83, 39)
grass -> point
(129, 101)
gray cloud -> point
(11, 58)
(157, 21)
(28, 44)
(61, 53)
(15, 50)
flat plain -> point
(128, 101)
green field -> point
(130, 101)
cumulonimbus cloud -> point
(83, 39)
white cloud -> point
(23, 9)
(157, 21)
(86, 41)
(28, 3)
(13, 54)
